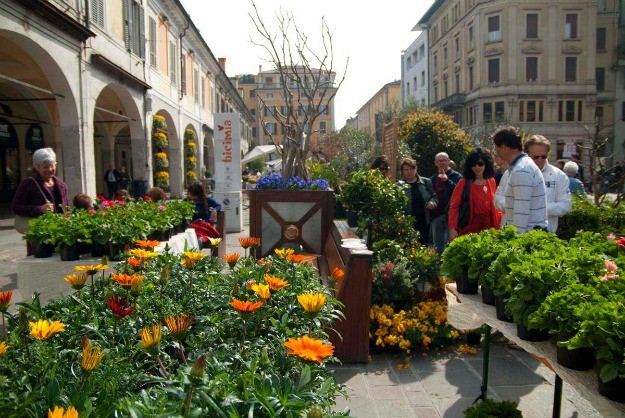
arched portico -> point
(191, 152)
(174, 153)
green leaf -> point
(608, 372)
(304, 377)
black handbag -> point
(463, 211)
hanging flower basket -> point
(189, 149)
(159, 139)
(158, 122)
(191, 163)
(189, 135)
(160, 160)
(191, 177)
(162, 179)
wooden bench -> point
(353, 291)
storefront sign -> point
(8, 136)
(34, 137)
(227, 174)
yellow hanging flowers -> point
(42, 329)
(311, 302)
(91, 356)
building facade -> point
(263, 94)
(546, 67)
(87, 77)
(414, 71)
(367, 117)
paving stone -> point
(410, 382)
(453, 407)
(537, 401)
(356, 384)
(426, 413)
(451, 383)
(507, 372)
(419, 399)
(391, 408)
(359, 407)
(388, 392)
(381, 378)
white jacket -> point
(558, 194)
(500, 196)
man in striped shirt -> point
(525, 194)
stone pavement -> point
(439, 385)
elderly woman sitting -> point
(575, 185)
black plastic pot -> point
(473, 337)
(352, 219)
(614, 389)
(465, 286)
(85, 248)
(488, 297)
(159, 235)
(531, 334)
(115, 251)
(577, 359)
(98, 250)
(500, 308)
(178, 229)
(42, 249)
(70, 252)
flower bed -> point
(168, 335)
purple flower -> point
(275, 182)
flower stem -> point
(160, 363)
(92, 287)
(187, 406)
(4, 328)
(181, 349)
(244, 332)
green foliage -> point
(586, 216)
(428, 132)
(491, 409)
(325, 171)
(257, 165)
(485, 251)
(456, 257)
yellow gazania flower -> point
(262, 290)
(214, 241)
(91, 269)
(3, 348)
(309, 348)
(179, 325)
(135, 285)
(312, 302)
(62, 413)
(76, 281)
(151, 337)
(190, 258)
(142, 254)
(275, 283)
(42, 329)
(284, 252)
(91, 356)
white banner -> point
(227, 174)
(569, 149)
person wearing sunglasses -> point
(381, 163)
(525, 194)
(479, 171)
(537, 147)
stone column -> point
(554, 34)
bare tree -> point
(307, 83)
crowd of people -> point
(518, 186)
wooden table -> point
(585, 382)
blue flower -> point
(275, 182)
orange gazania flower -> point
(125, 280)
(77, 281)
(262, 290)
(59, 412)
(231, 259)
(245, 307)
(337, 274)
(190, 258)
(179, 325)
(143, 254)
(134, 262)
(296, 258)
(254, 242)
(42, 329)
(245, 242)
(309, 348)
(146, 243)
(91, 269)
(5, 300)
(275, 283)
(3, 348)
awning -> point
(260, 151)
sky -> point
(372, 34)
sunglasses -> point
(479, 164)
(540, 157)
(384, 168)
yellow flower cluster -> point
(162, 175)
(160, 135)
(191, 144)
(191, 174)
(423, 325)
(159, 117)
(161, 155)
(192, 159)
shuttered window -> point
(173, 61)
(152, 40)
(134, 28)
(97, 12)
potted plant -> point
(492, 409)
(189, 149)
(191, 177)
(160, 160)
(191, 163)
(456, 263)
(162, 179)
(561, 313)
(40, 234)
(72, 231)
(159, 140)
(159, 123)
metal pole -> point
(557, 397)
(485, 358)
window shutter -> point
(101, 12)
(128, 24)
(141, 31)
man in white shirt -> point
(537, 147)
(525, 194)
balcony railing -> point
(455, 100)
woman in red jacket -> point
(479, 170)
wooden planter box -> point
(292, 218)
